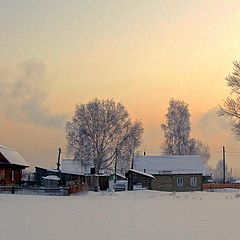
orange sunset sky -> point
(55, 54)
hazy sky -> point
(55, 54)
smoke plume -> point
(214, 129)
(23, 95)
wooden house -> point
(11, 166)
(172, 173)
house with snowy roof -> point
(11, 166)
(171, 173)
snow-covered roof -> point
(52, 177)
(118, 174)
(142, 173)
(237, 181)
(183, 164)
(13, 157)
(74, 167)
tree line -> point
(101, 132)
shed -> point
(139, 180)
(51, 181)
(11, 166)
(65, 177)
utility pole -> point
(224, 164)
(115, 167)
(59, 157)
(132, 165)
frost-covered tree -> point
(196, 147)
(218, 171)
(101, 130)
(231, 106)
(177, 130)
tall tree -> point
(101, 129)
(177, 130)
(231, 106)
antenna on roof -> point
(144, 152)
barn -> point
(172, 173)
(11, 166)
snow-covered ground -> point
(139, 215)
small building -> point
(139, 180)
(77, 167)
(51, 181)
(11, 166)
(172, 173)
(97, 182)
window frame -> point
(180, 183)
(193, 181)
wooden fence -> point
(26, 190)
(72, 187)
(209, 186)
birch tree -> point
(177, 130)
(99, 130)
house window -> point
(193, 181)
(179, 181)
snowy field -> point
(127, 215)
